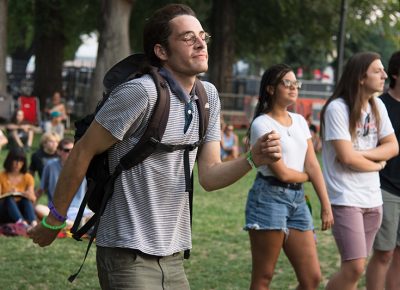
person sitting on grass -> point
(3, 139)
(17, 190)
(20, 132)
(57, 105)
(229, 144)
(55, 125)
(46, 152)
(50, 175)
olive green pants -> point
(126, 269)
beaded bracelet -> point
(56, 214)
(50, 227)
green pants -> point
(126, 269)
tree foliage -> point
(20, 24)
(58, 25)
(304, 32)
(3, 45)
(298, 32)
(20, 30)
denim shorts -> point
(271, 207)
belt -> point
(275, 181)
(148, 256)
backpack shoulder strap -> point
(204, 114)
(203, 107)
(155, 128)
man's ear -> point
(160, 52)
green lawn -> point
(220, 258)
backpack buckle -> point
(193, 146)
(154, 141)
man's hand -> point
(267, 149)
(43, 236)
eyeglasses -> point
(191, 38)
(366, 125)
(288, 84)
(66, 150)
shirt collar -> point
(176, 87)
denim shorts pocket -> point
(273, 194)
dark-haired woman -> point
(358, 138)
(277, 216)
(20, 132)
(15, 179)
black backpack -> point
(100, 181)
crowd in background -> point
(19, 195)
(355, 154)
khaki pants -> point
(129, 269)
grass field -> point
(220, 258)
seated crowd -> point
(21, 202)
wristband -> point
(56, 214)
(250, 160)
(50, 227)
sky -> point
(88, 48)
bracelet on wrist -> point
(56, 214)
(50, 227)
(250, 159)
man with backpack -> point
(145, 227)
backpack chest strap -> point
(171, 148)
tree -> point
(20, 30)
(49, 50)
(113, 43)
(3, 47)
(58, 26)
(222, 49)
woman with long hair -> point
(358, 138)
(277, 216)
(17, 190)
(20, 132)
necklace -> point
(284, 121)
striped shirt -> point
(149, 209)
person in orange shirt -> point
(17, 190)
